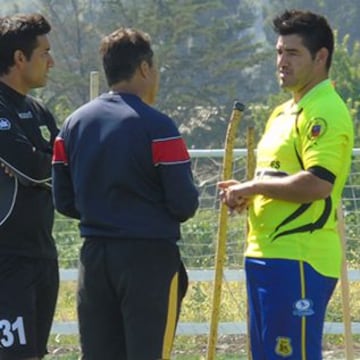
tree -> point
(208, 53)
(346, 76)
(343, 18)
(74, 36)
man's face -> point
(35, 70)
(297, 70)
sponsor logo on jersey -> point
(283, 346)
(303, 307)
(5, 124)
(25, 115)
(275, 164)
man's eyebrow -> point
(287, 49)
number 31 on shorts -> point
(10, 332)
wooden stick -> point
(222, 230)
(250, 172)
(345, 294)
(94, 85)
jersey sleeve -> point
(171, 157)
(63, 191)
(325, 144)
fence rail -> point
(189, 328)
(233, 275)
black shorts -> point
(28, 288)
(129, 298)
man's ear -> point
(322, 55)
(19, 57)
(144, 69)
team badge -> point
(45, 132)
(5, 124)
(316, 128)
(283, 346)
(303, 307)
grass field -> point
(230, 348)
(180, 357)
(197, 308)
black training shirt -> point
(27, 132)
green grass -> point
(63, 347)
(75, 356)
(197, 308)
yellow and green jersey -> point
(315, 133)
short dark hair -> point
(314, 30)
(19, 32)
(123, 51)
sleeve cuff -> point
(322, 173)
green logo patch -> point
(45, 132)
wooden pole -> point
(250, 172)
(345, 293)
(222, 230)
(94, 85)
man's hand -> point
(231, 195)
(7, 170)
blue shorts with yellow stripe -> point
(287, 305)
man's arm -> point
(63, 191)
(30, 165)
(302, 187)
(171, 157)
(180, 192)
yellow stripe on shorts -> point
(303, 319)
(171, 318)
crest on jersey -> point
(5, 124)
(316, 128)
(45, 132)
(283, 346)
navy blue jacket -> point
(122, 168)
(27, 133)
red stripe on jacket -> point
(59, 153)
(168, 151)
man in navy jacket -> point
(122, 168)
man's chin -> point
(284, 85)
(39, 85)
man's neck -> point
(299, 94)
(15, 83)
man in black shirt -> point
(29, 277)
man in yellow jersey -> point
(293, 255)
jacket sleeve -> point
(180, 191)
(63, 191)
(171, 157)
